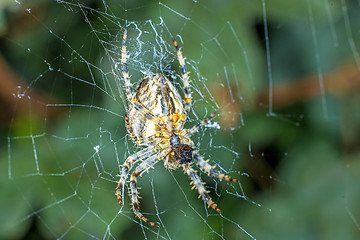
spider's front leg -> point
(199, 185)
(134, 194)
(130, 161)
(206, 167)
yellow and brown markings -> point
(160, 101)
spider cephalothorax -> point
(182, 153)
(155, 119)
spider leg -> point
(206, 167)
(130, 161)
(152, 140)
(198, 126)
(129, 128)
(199, 185)
(134, 194)
(124, 68)
(185, 78)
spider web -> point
(284, 76)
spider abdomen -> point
(158, 96)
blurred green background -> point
(285, 76)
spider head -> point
(182, 152)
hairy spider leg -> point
(199, 185)
(153, 140)
(210, 170)
(134, 194)
(130, 161)
(198, 126)
(124, 68)
(185, 78)
(129, 128)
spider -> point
(155, 119)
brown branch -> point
(12, 100)
(342, 81)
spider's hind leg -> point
(134, 194)
(130, 161)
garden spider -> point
(155, 119)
